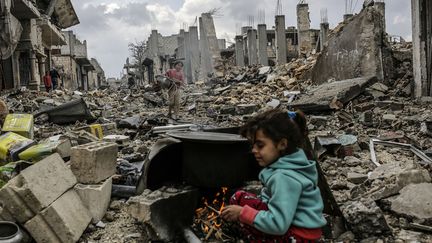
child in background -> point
(289, 206)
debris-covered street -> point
(156, 154)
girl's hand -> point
(231, 212)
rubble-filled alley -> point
(94, 160)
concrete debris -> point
(332, 95)
(96, 198)
(36, 187)
(414, 202)
(372, 140)
(63, 221)
(366, 218)
(164, 211)
(93, 162)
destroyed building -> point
(279, 45)
(29, 30)
(161, 51)
(75, 68)
(108, 166)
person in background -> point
(131, 81)
(289, 207)
(54, 78)
(174, 92)
(47, 81)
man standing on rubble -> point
(174, 92)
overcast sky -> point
(109, 25)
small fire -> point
(208, 216)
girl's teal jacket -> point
(291, 194)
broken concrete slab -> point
(366, 218)
(244, 109)
(332, 95)
(96, 198)
(36, 187)
(70, 112)
(63, 221)
(414, 202)
(94, 162)
(164, 211)
(392, 105)
(356, 178)
(393, 184)
(131, 122)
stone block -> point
(63, 221)
(392, 185)
(164, 211)
(36, 187)
(245, 109)
(5, 215)
(415, 202)
(366, 218)
(356, 178)
(96, 198)
(94, 162)
(227, 110)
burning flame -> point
(208, 216)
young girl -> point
(289, 206)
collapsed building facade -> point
(31, 28)
(279, 45)
(136, 176)
(76, 70)
(197, 47)
(31, 37)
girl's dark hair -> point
(277, 125)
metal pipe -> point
(413, 149)
(162, 129)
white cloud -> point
(111, 7)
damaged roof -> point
(64, 14)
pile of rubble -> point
(382, 186)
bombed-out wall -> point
(354, 51)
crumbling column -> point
(34, 80)
(41, 62)
(262, 45)
(244, 31)
(303, 26)
(194, 51)
(281, 43)
(154, 51)
(252, 46)
(210, 31)
(421, 39)
(239, 53)
(187, 61)
(180, 48)
(206, 58)
(380, 6)
(324, 29)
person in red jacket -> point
(176, 74)
(47, 81)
